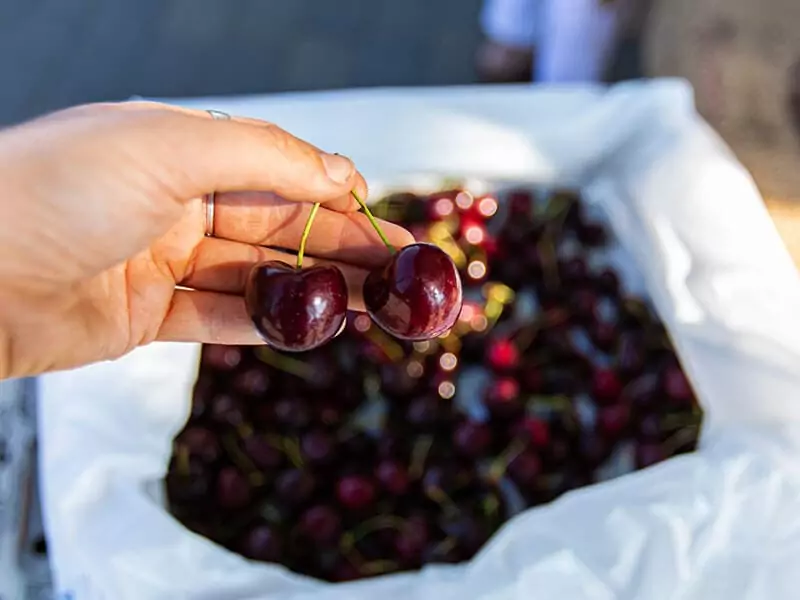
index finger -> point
(193, 154)
(264, 219)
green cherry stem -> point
(374, 223)
(306, 230)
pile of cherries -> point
(383, 451)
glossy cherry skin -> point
(296, 310)
(417, 296)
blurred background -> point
(59, 53)
(740, 55)
(56, 53)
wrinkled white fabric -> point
(718, 524)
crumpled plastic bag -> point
(721, 523)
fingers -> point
(222, 266)
(346, 202)
(349, 238)
(195, 154)
(207, 317)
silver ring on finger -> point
(210, 199)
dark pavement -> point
(54, 53)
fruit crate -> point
(372, 455)
(680, 207)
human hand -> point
(103, 216)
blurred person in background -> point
(553, 41)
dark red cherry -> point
(595, 450)
(261, 542)
(424, 412)
(355, 492)
(292, 413)
(533, 430)
(502, 355)
(252, 382)
(317, 447)
(631, 353)
(190, 486)
(321, 524)
(613, 421)
(296, 310)
(648, 454)
(412, 540)
(417, 296)
(472, 439)
(525, 469)
(401, 379)
(392, 476)
(583, 304)
(344, 571)
(233, 489)
(200, 443)
(467, 530)
(606, 386)
(650, 428)
(263, 454)
(502, 398)
(202, 394)
(322, 371)
(227, 410)
(676, 386)
(294, 486)
(604, 335)
(221, 358)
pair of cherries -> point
(416, 296)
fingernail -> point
(339, 168)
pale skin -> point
(102, 226)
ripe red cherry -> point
(472, 439)
(392, 476)
(612, 421)
(355, 492)
(606, 386)
(676, 386)
(603, 335)
(534, 430)
(321, 523)
(296, 310)
(262, 542)
(525, 469)
(317, 447)
(411, 540)
(221, 358)
(263, 454)
(253, 382)
(200, 443)
(648, 454)
(502, 398)
(233, 490)
(417, 296)
(502, 355)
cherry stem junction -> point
(374, 223)
(306, 230)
